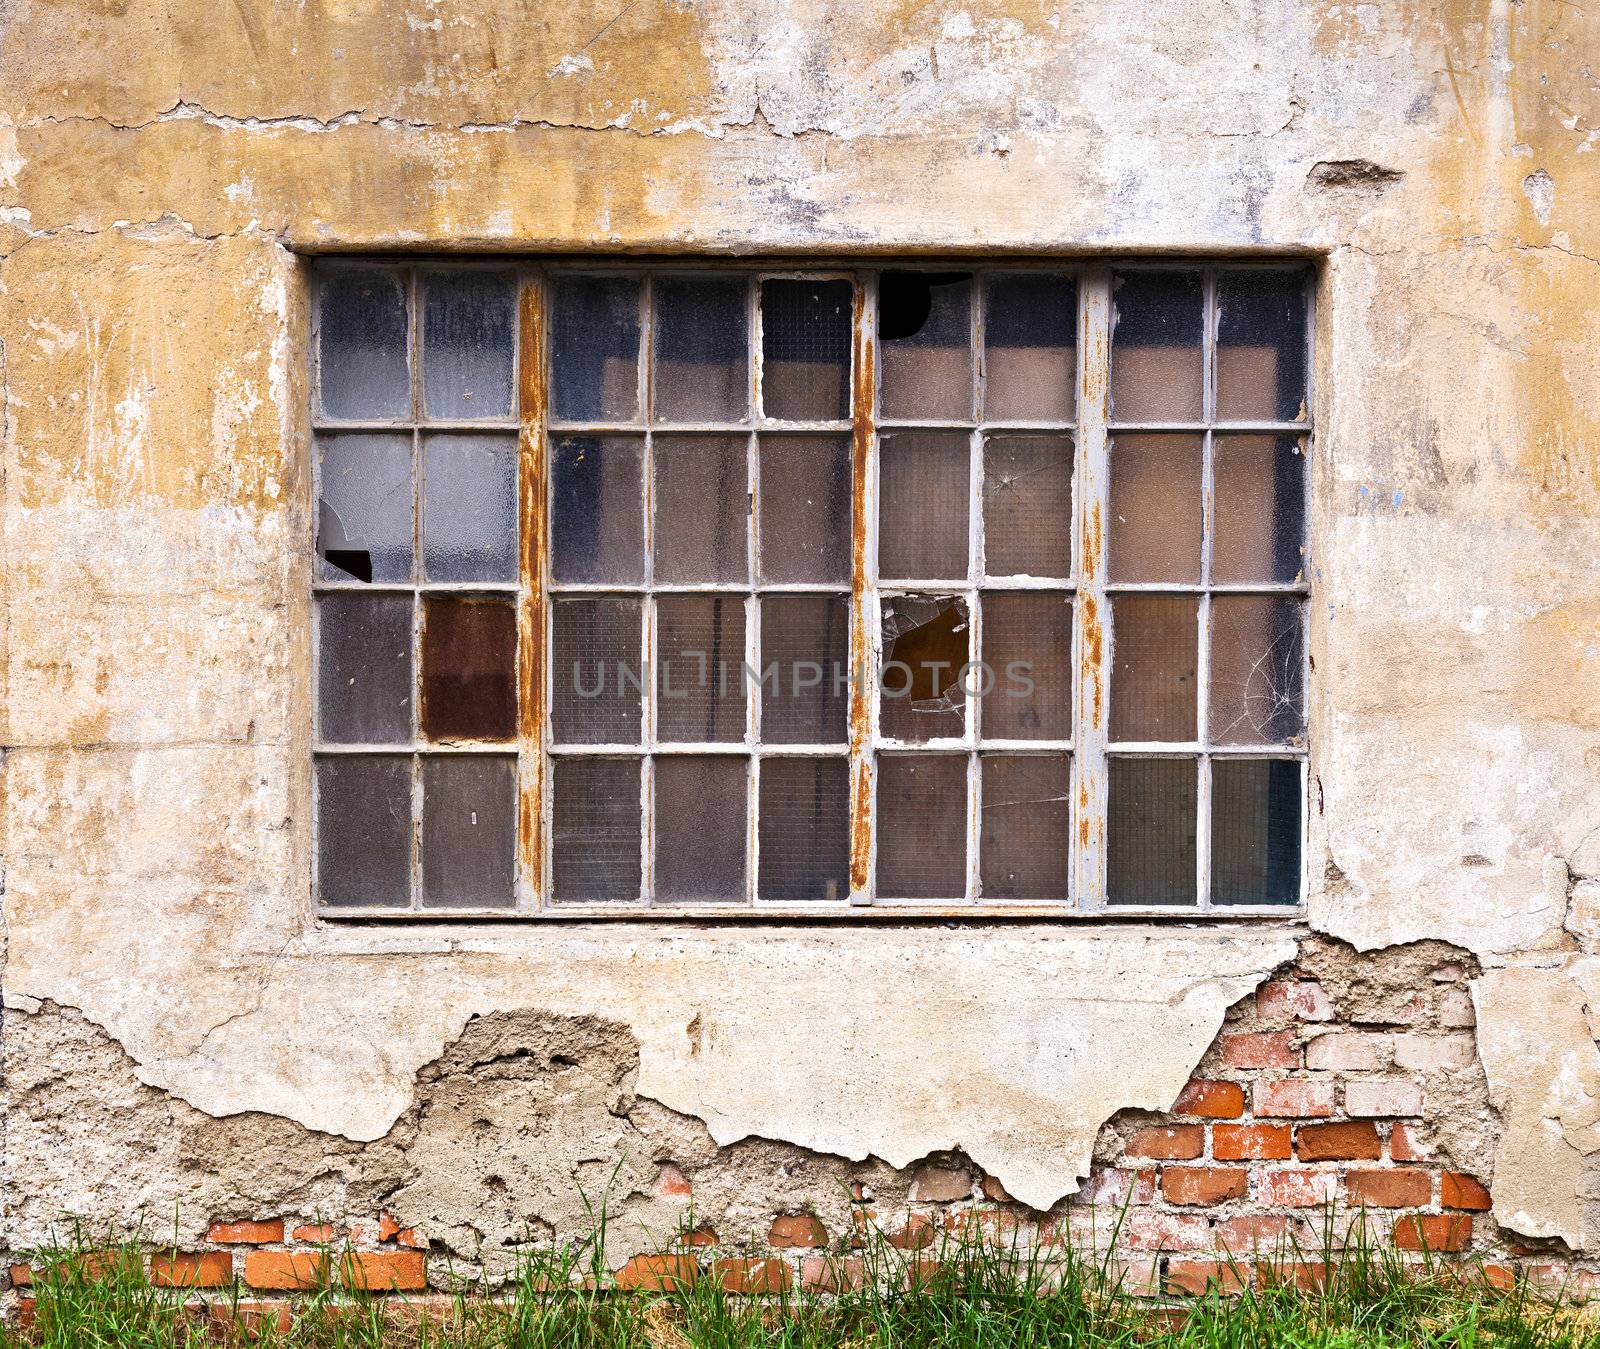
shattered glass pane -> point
(1255, 831)
(469, 507)
(364, 830)
(805, 349)
(805, 509)
(1261, 346)
(1155, 346)
(469, 669)
(1155, 509)
(596, 671)
(1026, 826)
(804, 829)
(595, 827)
(469, 330)
(701, 807)
(925, 345)
(1030, 348)
(469, 825)
(1027, 666)
(1260, 496)
(594, 348)
(364, 346)
(1154, 654)
(364, 519)
(926, 647)
(364, 669)
(701, 349)
(1257, 670)
(1150, 832)
(597, 509)
(700, 668)
(922, 505)
(804, 672)
(1027, 505)
(922, 826)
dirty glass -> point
(805, 349)
(1155, 508)
(469, 669)
(805, 509)
(1260, 512)
(1255, 831)
(469, 820)
(1261, 346)
(1156, 355)
(364, 830)
(364, 669)
(1030, 343)
(363, 346)
(1027, 663)
(925, 345)
(469, 507)
(803, 669)
(597, 509)
(1150, 832)
(469, 328)
(364, 529)
(922, 826)
(804, 829)
(926, 647)
(701, 350)
(700, 651)
(923, 489)
(1026, 818)
(595, 830)
(594, 348)
(1027, 505)
(702, 809)
(1257, 670)
(1155, 658)
(596, 671)
(702, 509)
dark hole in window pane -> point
(926, 646)
(1150, 829)
(597, 509)
(925, 336)
(469, 823)
(1154, 652)
(922, 826)
(805, 349)
(364, 830)
(1027, 816)
(469, 668)
(805, 829)
(595, 830)
(1261, 346)
(594, 348)
(702, 361)
(1255, 831)
(701, 807)
(365, 364)
(469, 325)
(1155, 346)
(1030, 348)
(364, 669)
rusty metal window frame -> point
(1089, 747)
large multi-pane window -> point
(722, 589)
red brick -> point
(1203, 1276)
(671, 1183)
(1459, 1190)
(922, 1270)
(831, 1273)
(1293, 1098)
(1212, 1100)
(1250, 1142)
(1403, 1145)
(1400, 1188)
(1378, 1096)
(700, 1237)
(21, 1276)
(384, 1271)
(751, 1276)
(318, 1234)
(249, 1320)
(1170, 1142)
(1146, 1230)
(260, 1232)
(973, 1222)
(917, 1234)
(191, 1269)
(1260, 1049)
(657, 1273)
(1305, 1276)
(1116, 1186)
(1252, 1231)
(1295, 1188)
(1435, 1231)
(1203, 1184)
(1301, 999)
(797, 1230)
(1351, 1140)
(995, 1192)
(285, 1270)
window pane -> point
(702, 509)
(596, 671)
(1027, 666)
(702, 806)
(594, 837)
(1260, 495)
(805, 509)
(922, 505)
(925, 345)
(364, 519)
(597, 509)
(1150, 827)
(922, 826)
(1261, 346)
(469, 669)
(1153, 671)
(1155, 347)
(702, 359)
(364, 669)
(1257, 670)
(926, 645)
(1030, 348)
(700, 668)
(1026, 828)
(805, 349)
(594, 349)
(1155, 508)
(1255, 831)
(364, 830)
(469, 508)
(363, 341)
(469, 327)
(1027, 506)
(804, 670)
(469, 826)
(805, 829)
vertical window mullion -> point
(864, 620)
(532, 565)
(974, 704)
(752, 626)
(414, 360)
(648, 711)
(1202, 824)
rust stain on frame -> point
(862, 380)
(534, 541)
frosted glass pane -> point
(594, 349)
(364, 347)
(1155, 346)
(364, 830)
(1150, 832)
(702, 509)
(469, 827)
(364, 669)
(1261, 346)
(1155, 508)
(597, 509)
(922, 505)
(805, 349)
(595, 830)
(805, 829)
(364, 518)
(596, 671)
(805, 509)
(469, 507)
(469, 327)
(922, 826)
(1030, 348)
(1153, 672)
(1257, 670)
(1027, 659)
(702, 808)
(1027, 505)
(1255, 831)
(700, 657)
(1026, 830)
(1260, 498)
(702, 356)
(925, 345)
(469, 669)
(926, 643)
(805, 664)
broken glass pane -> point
(922, 826)
(596, 671)
(364, 669)
(364, 520)
(1027, 505)
(594, 348)
(1257, 670)
(1155, 508)
(595, 825)
(805, 509)
(597, 509)
(1261, 346)
(1155, 347)
(1153, 673)
(702, 805)
(469, 826)
(469, 507)
(1027, 666)
(1260, 498)
(925, 345)
(926, 647)
(804, 829)
(702, 358)
(804, 670)
(364, 830)
(1255, 831)
(702, 509)
(700, 660)
(805, 349)
(469, 669)
(1150, 829)
(365, 352)
(469, 328)
(1030, 348)
(1026, 826)
(922, 515)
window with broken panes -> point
(717, 589)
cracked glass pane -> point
(1255, 831)
(922, 826)
(805, 509)
(1257, 670)
(363, 345)
(701, 350)
(597, 509)
(700, 657)
(1030, 348)
(925, 346)
(804, 829)
(469, 669)
(1150, 832)
(922, 505)
(926, 646)
(364, 830)
(1027, 665)
(364, 669)
(701, 807)
(364, 527)
(804, 670)
(1261, 346)
(469, 340)
(702, 509)
(1154, 655)
(1155, 346)
(1155, 509)
(595, 830)
(805, 349)
(596, 671)
(469, 826)
(594, 349)
(1027, 505)
(469, 507)
(1260, 497)
(1026, 826)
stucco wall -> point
(164, 162)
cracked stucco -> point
(158, 162)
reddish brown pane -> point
(469, 667)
